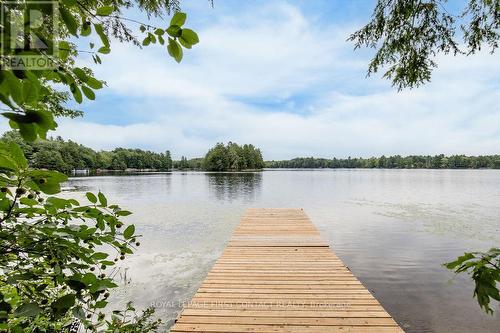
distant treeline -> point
(394, 162)
(189, 164)
(65, 156)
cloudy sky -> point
(280, 75)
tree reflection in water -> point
(231, 186)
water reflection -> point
(244, 186)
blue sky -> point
(280, 75)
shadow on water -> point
(244, 186)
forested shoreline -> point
(392, 162)
(68, 156)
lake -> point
(392, 228)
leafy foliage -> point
(233, 157)
(57, 255)
(408, 34)
(393, 162)
(485, 270)
(30, 95)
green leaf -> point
(72, 202)
(129, 231)
(64, 49)
(69, 20)
(102, 199)
(99, 255)
(4, 205)
(100, 224)
(460, 260)
(100, 31)
(27, 310)
(87, 278)
(86, 29)
(12, 157)
(190, 36)
(174, 31)
(146, 41)
(79, 313)
(123, 213)
(104, 50)
(105, 11)
(483, 267)
(94, 83)
(30, 91)
(28, 201)
(27, 131)
(77, 94)
(91, 197)
(80, 73)
(100, 304)
(13, 87)
(159, 32)
(89, 93)
(32, 123)
(178, 19)
(174, 49)
(59, 203)
(48, 182)
(184, 43)
(64, 302)
(6, 160)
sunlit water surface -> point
(393, 228)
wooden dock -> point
(278, 275)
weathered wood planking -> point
(278, 275)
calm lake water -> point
(393, 228)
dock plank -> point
(277, 274)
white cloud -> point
(276, 54)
